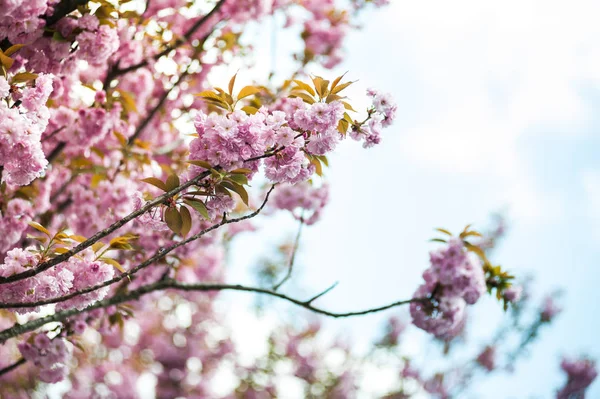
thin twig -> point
(292, 258)
(13, 366)
(320, 294)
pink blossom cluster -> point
(19, 19)
(49, 284)
(82, 128)
(49, 356)
(383, 113)
(325, 31)
(97, 43)
(229, 141)
(21, 128)
(303, 200)
(453, 280)
(580, 375)
(14, 222)
(78, 272)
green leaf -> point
(248, 91)
(186, 221)
(156, 183)
(172, 182)
(198, 206)
(23, 77)
(244, 171)
(237, 188)
(202, 164)
(173, 220)
(239, 179)
(39, 227)
(444, 231)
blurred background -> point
(496, 112)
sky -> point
(496, 112)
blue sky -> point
(496, 110)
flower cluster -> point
(19, 19)
(231, 141)
(453, 280)
(21, 128)
(49, 356)
(382, 114)
(303, 200)
(78, 272)
(580, 375)
(96, 43)
(14, 222)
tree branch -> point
(32, 325)
(13, 366)
(62, 9)
(157, 255)
(103, 233)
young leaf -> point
(231, 84)
(186, 221)
(198, 206)
(444, 231)
(318, 166)
(5, 61)
(173, 220)
(248, 91)
(340, 87)
(304, 86)
(307, 99)
(39, 227)
(13, 49)
(250, 110)
(61, 250)
(113, 263)
(156, 183)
